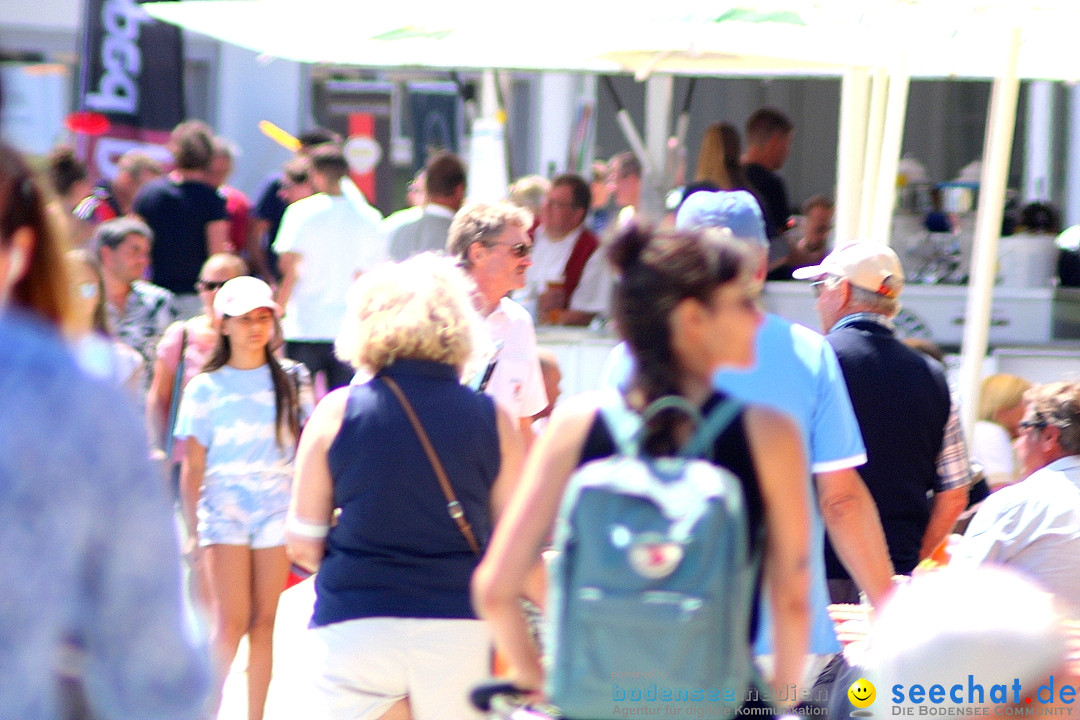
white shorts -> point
(364, 666)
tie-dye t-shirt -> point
(231, 413)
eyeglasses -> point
(518, 250)
(818, 286)
(209, 285)
(1033, 424)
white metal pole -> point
(1039, 141)
(557, 94)
(488, 175)
(875, 129)
(851, 151)
(891, 143)
(1000, 125)
(1072, 178)
(659, 90)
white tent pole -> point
(1000, 125)
(875, 128)
(489, 96)
(659, 91)
(891, 143)
(1039, 142)
(488, 178)
(558, 94)
(1072, 167)
(851, 151)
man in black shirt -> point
(768, 140)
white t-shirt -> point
(516, 382)
(593, 293)
(549, 260)
(336, 238)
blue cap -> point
(736, 210)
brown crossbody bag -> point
(457, 512)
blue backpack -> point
(652, 584)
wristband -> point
(304, 529)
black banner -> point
(132, 72)
(435, 119)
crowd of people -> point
(303, 381)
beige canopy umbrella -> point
(875, 45)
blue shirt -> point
(796, 372)
(88, 550)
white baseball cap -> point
(870, 266)
(243, 294)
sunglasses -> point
(210, 285)
(518, 250)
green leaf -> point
(787, 17)
(411, 33)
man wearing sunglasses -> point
(917, 463)
(492, 245)
(1034, 525)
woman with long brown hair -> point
(686, 306)
(241, 419)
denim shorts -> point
(244, 510)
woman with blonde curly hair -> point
(396, 529)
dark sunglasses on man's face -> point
(518, 250)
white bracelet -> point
(312, 531)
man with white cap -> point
(797, 373)
(917, 463)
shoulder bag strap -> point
(452, 504)
(178, 380)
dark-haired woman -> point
(32, 226)
(240, 418)
(685, 306)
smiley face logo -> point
(862, 693)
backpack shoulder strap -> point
(624, 425)
(710, 428)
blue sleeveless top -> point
(395, 551)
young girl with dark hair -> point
(685, 305)
(241, 419)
